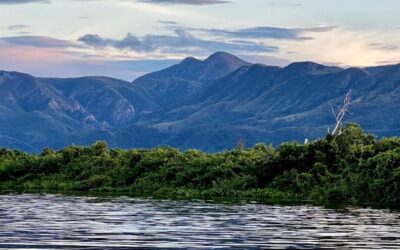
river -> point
(72, 222)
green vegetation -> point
(352, 166)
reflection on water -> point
(66, 222)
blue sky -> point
(127, 38)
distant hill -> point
(210, 105)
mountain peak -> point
(215, 66)
(305, 66)
(189, 60)
(223, 57)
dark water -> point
(67, 222)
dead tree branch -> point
(340, 114)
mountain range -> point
(209, 104)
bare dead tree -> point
(340, 113)
(240, 144)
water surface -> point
(70, 222)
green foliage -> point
(352, 166)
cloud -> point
(262, 32)
(60, 62)
(38, 41)
(184, 40)
(22, 1)
(18, 27)
(257, 32)
(382, 46)
(53, 63)
(168, 22)
(178, 42)
(185, 2)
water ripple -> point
(69, 222)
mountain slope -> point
(111, 101)
(271, 104)
(210, 105)
(39, 112)
(31, 111)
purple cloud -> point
(256, 32)
(39, 41)
(177, 42)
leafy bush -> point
(352, 166)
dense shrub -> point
(352, 166)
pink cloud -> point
(61, 62)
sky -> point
(128, 38)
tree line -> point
(352, 166)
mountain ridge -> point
(208, 104)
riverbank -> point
(351, 167)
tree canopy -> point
(351, 166)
